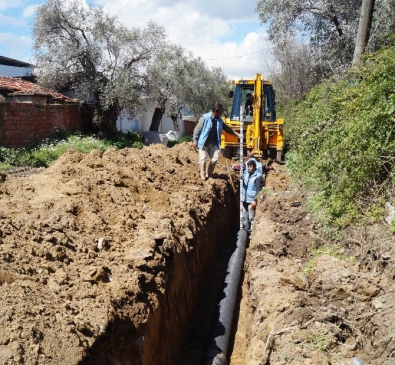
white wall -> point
(11, 71)
(142, 123)
(126, 123)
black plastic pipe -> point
(217, 350)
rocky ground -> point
(91, 247)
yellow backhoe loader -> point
(263, 132)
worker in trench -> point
(252, 185)
(262, 169)
(250, 156)
(207, 139)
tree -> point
(105, 62)
(365, 23)
(293, 73)
(177, 79)
(328, 27)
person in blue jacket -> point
(207, 138)
(250, 156)
(252, 185)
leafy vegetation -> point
(115, 66)
(44, 154)
(320, 341)
(342, 142)
(329, 30)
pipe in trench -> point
(217, 349)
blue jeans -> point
(248, 216)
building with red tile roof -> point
(19, 90)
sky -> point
(223, 33)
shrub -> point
(342, 142)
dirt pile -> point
(99, 255)
(305, 303)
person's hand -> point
(194, 145)
(253, 204)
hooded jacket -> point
(252, 185)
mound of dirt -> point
(307, 300)
(89, 247)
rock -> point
(293, 279)
(389, 213)
(101, 243)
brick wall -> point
(189, 126)
(24, 123)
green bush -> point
(342, 142)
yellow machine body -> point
(263, 132)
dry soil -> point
(310, 300)
(91, 247)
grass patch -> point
(333, 251)
(49, 150)
(319, 341)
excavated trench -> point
(115, 257)
(177, 331)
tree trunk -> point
(175, 123)
(365, 23)
(104, 120)
(156, 119)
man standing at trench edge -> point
(207, 138)
(252, 185)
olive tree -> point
(102, 60)
(177, 79)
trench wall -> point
(168, 328)
(160, 341)
(25, 123)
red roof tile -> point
(18, 86)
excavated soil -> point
(305, 303)
(103, 256)
(105, 259)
